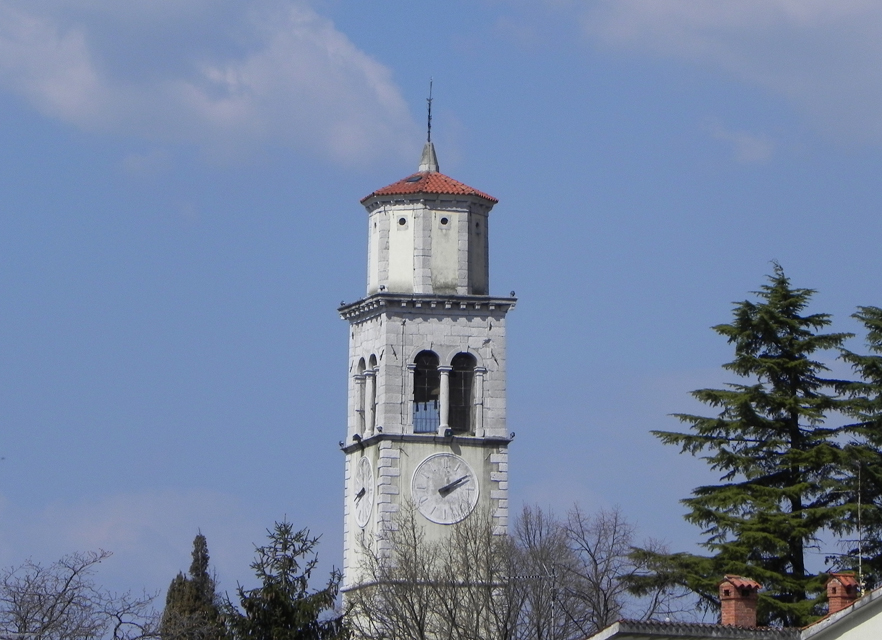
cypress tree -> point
(191, 603)
(783, 469)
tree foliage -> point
(784, 468)
(284, 607)
(192, 609)
(864, 494)
(61, 601)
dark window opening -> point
(462, 379)
(426, 389)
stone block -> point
(393, 472)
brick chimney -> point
(738, 601)
(842, 590)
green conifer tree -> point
(191, 603)
(284, 607)
(783, 467)
(864, 553)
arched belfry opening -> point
(462, 383)
(426, 393)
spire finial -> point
(429, 161)
(429, 102)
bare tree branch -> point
(62, 602)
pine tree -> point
(284, 607)
(191, 603)
(865, 498)
(783, 468)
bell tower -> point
(427, 361)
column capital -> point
(444, 369)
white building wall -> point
(401, 254)
(424, 256)
(445, 254)
(478, 254)
(860, 621)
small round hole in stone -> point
(444, 221)
(402, 221)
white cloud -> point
(226, 76)
(149, 533)
(826, 57)
(748, 148)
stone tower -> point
(426, 365)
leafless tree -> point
(61, 601)
(394, 597)
(416, 589)
(548, 580)
(601, 566)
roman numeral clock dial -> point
(363, 493)
(444, 488)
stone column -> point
(478, 392)
(444, 399)
(370, 392)
(359, 403)
(407, 420)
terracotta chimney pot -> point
(738, 598)
(842, 591)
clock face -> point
(363, 491)
(444, 488)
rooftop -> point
(429, 183)
(428, 180)
(676, 630)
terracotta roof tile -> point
(741, 583)
(845, 579)
(647, 630)
(429, 182)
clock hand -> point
(447, 488)
(360, 494)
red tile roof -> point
(845, 579)
(741, 583)
(429, 182)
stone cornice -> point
(428, 200)
(382, 302)
(461, 440)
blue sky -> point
(179, 221)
